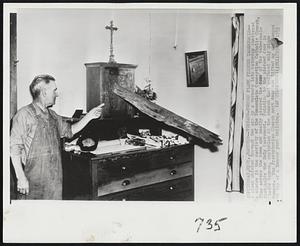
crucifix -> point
(112, 28)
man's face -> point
(50, 93)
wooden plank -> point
(13, 64)
(167, 117)
(13, 90)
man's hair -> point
(35, 86)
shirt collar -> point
(38, 109)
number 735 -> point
(210, 224)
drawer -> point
(146, 178)
(181, 189)
(125, 165)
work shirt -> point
(24, 126)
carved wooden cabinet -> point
(164, 174)
(100, 79)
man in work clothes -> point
(35, 142)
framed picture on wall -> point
(196, 69)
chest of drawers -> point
(164, 174)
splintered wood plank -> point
(167, 117)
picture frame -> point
(196, 69)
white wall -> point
(59, 42)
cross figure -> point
(112, 28)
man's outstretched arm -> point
(92, 114)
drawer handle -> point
(171, 188)
(172, 157)
(173, 172)
(125, 182)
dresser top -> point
(149, 152)
(106, 64)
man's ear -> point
(43, 91)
